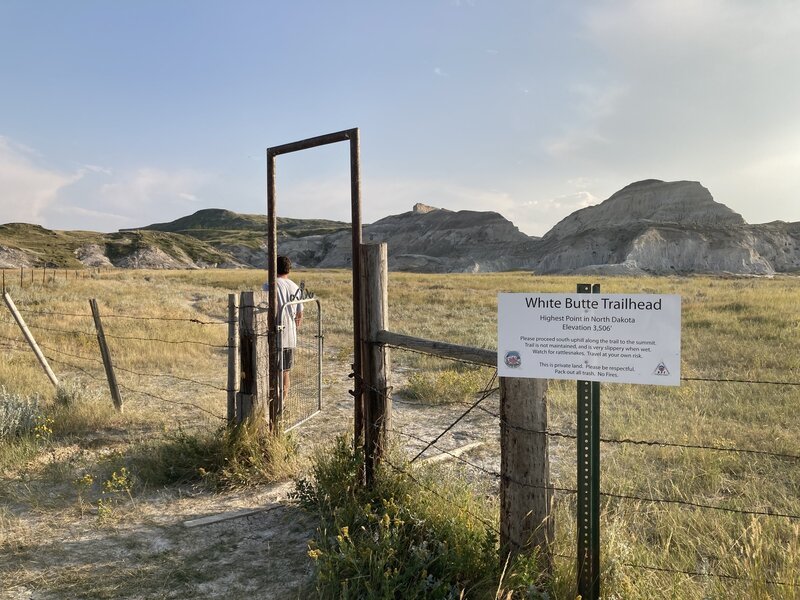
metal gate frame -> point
(279, 349)
(352, 137)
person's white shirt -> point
(287, 290)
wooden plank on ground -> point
(450, 454)
(227, 516)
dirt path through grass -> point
(60, 548)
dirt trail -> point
(146, 551)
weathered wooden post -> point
(526, 524)
(29, 338)
(234, 372)
(106, 356)
(376, 391)
(253, 396)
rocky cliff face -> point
(426, 239)
(661, 228)
(682, 203)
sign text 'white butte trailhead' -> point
(619, 338)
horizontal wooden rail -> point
(481, 356)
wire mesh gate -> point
(302, 398)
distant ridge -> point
(647, 227)
(211, 218)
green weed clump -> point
(399, 539)
(227, 458)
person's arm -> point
(298, 316)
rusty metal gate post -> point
(351, 135)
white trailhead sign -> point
(619, 338)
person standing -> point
(291, 317)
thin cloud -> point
(575, 141)
(28, 188)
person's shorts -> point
(288, 358)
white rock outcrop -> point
(666, 227)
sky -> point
(120, 114)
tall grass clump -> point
(399, 539)
(77, 410)
(227, 458)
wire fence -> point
(91, 367)
(728, 506)
(72, 325)
(60, 349)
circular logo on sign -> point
(513, 359)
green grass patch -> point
(414, 534)
(227, 458)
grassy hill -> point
(175, 245)
(202, 238)
(57, 249)
(224, 227)
(45, 247)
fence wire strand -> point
(125, 337)
(120, 316)
(692, 573)
(655, 443)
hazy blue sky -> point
(117, 114)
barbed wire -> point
(126, 337)
(709, 574)
(752, 381)
(659, 443)
(692, 573)
(487, 391)
(762, 513)
(133, 390)
(750, 512)
(572, 491)
(702, 379)
(439, 495)
(131, 371)
(486, 471)
(121, 316)
(175, 402)
(450, 358)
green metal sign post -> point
(588, 480)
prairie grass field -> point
(72, 467)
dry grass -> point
(732, 328)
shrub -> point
(399, 539)
(18, 415)
(227, 458)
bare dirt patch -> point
(58, 547)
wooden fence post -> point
(106, 356)
(234, 373)
(253, 396)
(29, 338)
(375, 356)
(526, 495)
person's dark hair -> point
(284, 265)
